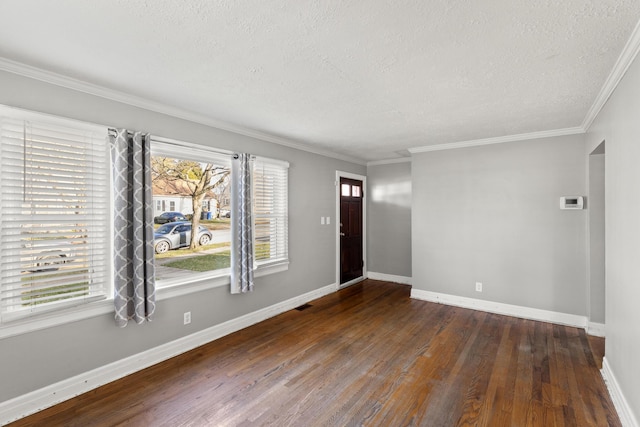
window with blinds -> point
(270, 209)
(55, 245)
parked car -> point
(47, 258)
(51, 260)
(175, 235)
(166, 217)
(225, 213)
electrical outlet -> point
(328, 220)
(187, 318)
(321, 220)
(478, 287)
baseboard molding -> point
(53, 394)
(596, 329)
(389, 277)
(500, 308)
(622, 406)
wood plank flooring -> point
(367, 355)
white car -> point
(175, 235)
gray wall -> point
(389, 219)
(619, 125)
(34, 360)
(491, 214)
(596, 212)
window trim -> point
(205, 281)
(56, 318)
(105, 306)
(8, 320)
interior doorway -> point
(597, 235)
(351, 230)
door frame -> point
(595, 264)
(341, 174)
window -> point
(204, 175)
(55, 213)
(56, 216)
(270, 179)
(192, 176)
(348, 190)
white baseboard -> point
(389, 277)
(48, 396)
(622, 406)
(500, 308)
(596, 329)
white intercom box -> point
(571, 202)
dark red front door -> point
(351, 260)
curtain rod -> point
(183, 144)
(115, 131)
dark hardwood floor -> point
(367, 355)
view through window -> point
(190, 194)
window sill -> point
(170, 288)
(55, 318)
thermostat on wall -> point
(571, 202)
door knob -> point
(342, 234)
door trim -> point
(341, 174)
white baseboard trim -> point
(405, 280)
(622, 406)
(30, 403)
(596, 329)
(501, 308)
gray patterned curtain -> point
(241, 224)
(134, 287)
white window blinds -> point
(54, 213)
(270, 180)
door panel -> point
(351, 254)
(185, 234)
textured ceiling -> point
(367, 79)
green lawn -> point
(53, 293)
(217, 224)
(206, 262)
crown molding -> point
(628, 54)
(389, 161)
(498, 140)
(136, 101)
(621, 66)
